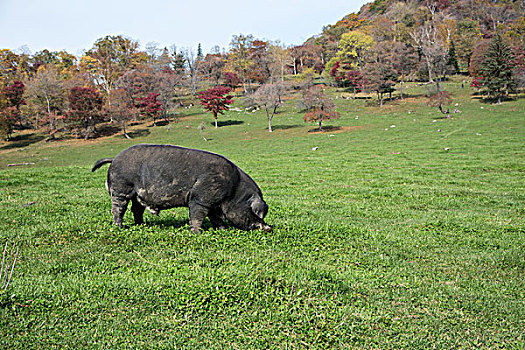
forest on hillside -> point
(375, 51)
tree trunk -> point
(429, 67)
(320, 125)
(401, 87)
(124, 129)
(269, 119)
(215, 115)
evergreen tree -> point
(199, 52)
(497, 67)
(452, 60)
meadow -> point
(394, 228)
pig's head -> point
(248, 213)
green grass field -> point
(382, 238)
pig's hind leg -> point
(118, 208)
(138, 211)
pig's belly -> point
(159, 197)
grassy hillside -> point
(400, 230)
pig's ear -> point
(259, 208)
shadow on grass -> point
(139, 133)
(167, 221)
(285, 127)
(108, 129)
(227, 123)
(492, 100)
(326, 128)
(159, 123)
(20, 141)
(183, 114)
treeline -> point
(375, 51)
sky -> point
(74, 26)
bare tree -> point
(269, 96)
(193, 70)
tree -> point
(259, 70)
(404, 61)
(497, 67)
(194, 69)
(347, 76)
(239, 57)
(84, 108)
(150, 106)
(14, 94)
(353, 46)
(109, 58)
(439, 99)
(356, 80)
(7, 115)
(46, 96)
(213, 67)
(465, 39)
(280, 60)
(452, 61)
(379, 71)
(231, 79)
(269, 96)
(432, 48)
(122, 109)
(215, 100)
(321, 107)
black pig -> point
(158, 177)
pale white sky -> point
(75, 25)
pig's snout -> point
(265, 227)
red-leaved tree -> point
(15, 98)
(11, 98)
(215, 100)
(150, 106)
(84, 108)
(231, 79)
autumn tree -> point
(215, 100)
(11, 98)
(466, 38)
(432, 47)
(379, 71)
(8, 113)
(149, 106)
(321, 107)
(213, 65)
(239, 57)
(108, 59)
(353, 47)
(404, 60)
(352, 53)
(497, 67)
(85, 105)
(46, 96)
(270, 97)
(122, 109)
(231, 79)
(280, 60)
(259, 69)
